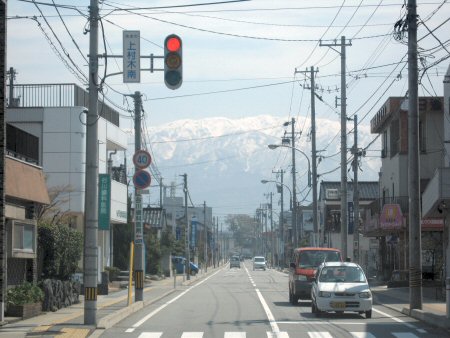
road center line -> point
(270, 317)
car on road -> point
(303, 266)
(340, 287)
(235, 262)
(179, 265)
(259, 262)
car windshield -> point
(234, 258)
(313, 258)
(342, 274)
(259, 259)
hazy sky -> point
(240, 58)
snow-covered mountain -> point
(226, 159)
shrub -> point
(59, 250)
(25, 293)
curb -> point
(427, 317)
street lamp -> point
(284, 145)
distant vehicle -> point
(399, 278)
(259, 262)
(303, 266)
(179, 263)
(235, 262)
(339, 287)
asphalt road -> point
(242, 303)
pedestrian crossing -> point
(310, 334)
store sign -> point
(104, 201)
(391, 217)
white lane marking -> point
(129, 330)
(422, 330)
(398, 320)
(192, 335)
(234, 335)
(309, 322)
(404, 334)
(272, 322)
(362, 335)
(150, 335)
(320, 335)
(154, 312)
(277, 335)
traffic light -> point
(173, 64)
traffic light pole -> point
(186, 220)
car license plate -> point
(337, 305)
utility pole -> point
(271, 230)
(281, 225)
(344, 207)
(415, 246)
(111, 225)
(3, 238)
(138, 228)
(313, 148)
(187, 241)
(90, 269)
(355, 164)
(206, 236)
(294, 190)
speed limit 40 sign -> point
(142, 159)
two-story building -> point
(390, 216)
(56, 115)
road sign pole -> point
(138, 233)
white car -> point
(339, 287)
(259, 262)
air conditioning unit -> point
(332, 194)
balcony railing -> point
(58, 95)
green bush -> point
(26, 293)
(59, 250)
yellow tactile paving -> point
(42, 328)
(67, 332)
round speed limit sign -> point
(142, 159)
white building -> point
(56, 114)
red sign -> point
(432, 224)
(391, 217)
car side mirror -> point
(313, 279)
(292, 265)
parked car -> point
(303, 266)
(180, 264)
(259, 262)
(339, 287)
(235, 262)
(399, 278)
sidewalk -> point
(111, 308)
(433, 309)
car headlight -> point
(366, 294)
(301, 278)
(324, 294)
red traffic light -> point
(173, 44)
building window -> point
(422, 137)
(384, 143)
(24, 237)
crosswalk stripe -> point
(277, 335)
(320, 335)
(192, 335)
(234, 335)
(362, 335)
(404, 335)
(150, 335)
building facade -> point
(56, 115)
(389, 221)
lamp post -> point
(281, 230)
(314, 184)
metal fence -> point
(58, 95)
